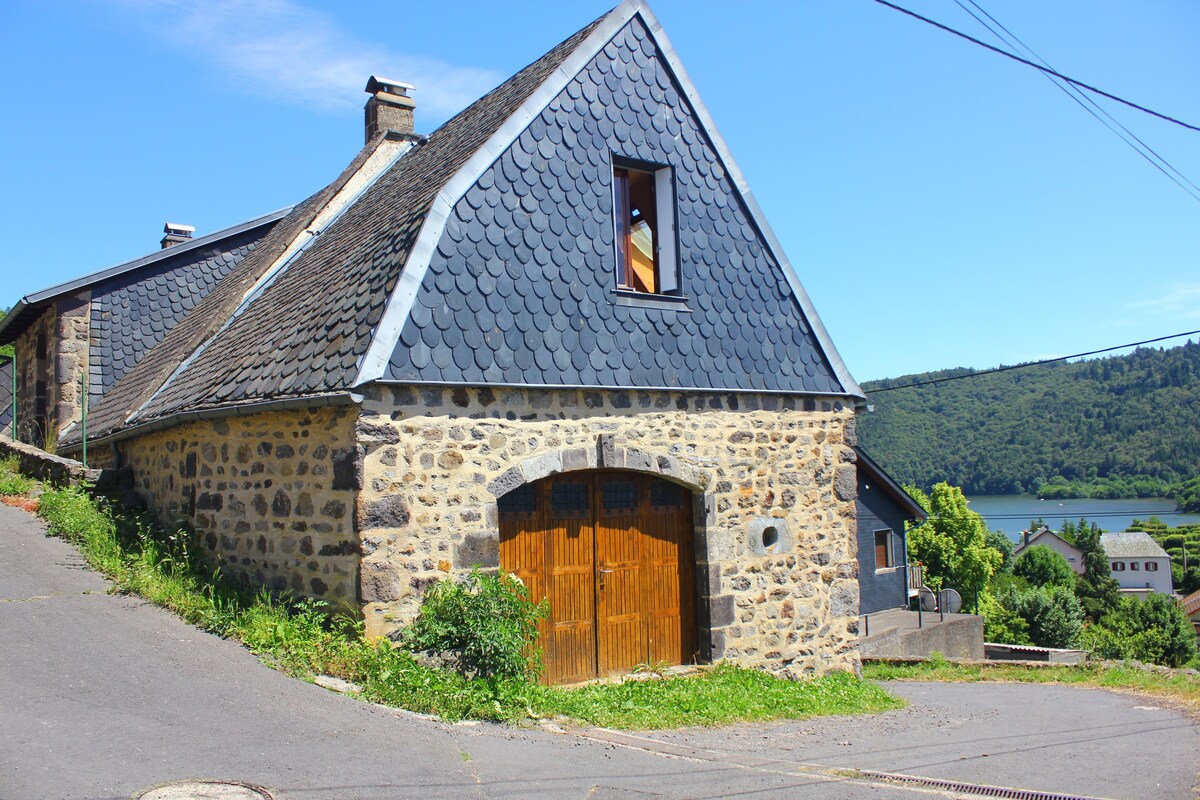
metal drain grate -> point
(968, 788)
(204, 790)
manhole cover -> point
(204, 790)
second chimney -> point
(390, 107)
(176, 234)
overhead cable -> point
(1039, 67)
(977, 373)
(1085, 102)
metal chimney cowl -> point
(389, 108)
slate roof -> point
(345, 312)
(307, 331)
(1035, 540)
(131, 313)
(519, 290)
(1131, 544)
(185, 271)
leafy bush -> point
(1154, 630)
(1052, 613)
(1042, 566)
(486, 624)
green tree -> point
(1187, 495)
(1097, 590)
(952, 543)
(999, 541)
(1042, 566)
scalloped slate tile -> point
(550, 201)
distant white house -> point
(1137, 562)
(1044, 537)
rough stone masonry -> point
(436, 459)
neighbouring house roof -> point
(1131, 544)
(1191, 603)
(870, 470)
(150, 282)
(385, 291)
(1040, 537)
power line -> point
(1087, 103)
(1039, 67)
(977, 373)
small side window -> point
(1151, 566)
(644, 225)
(1118, 566)
(883, 549)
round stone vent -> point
(769, 536)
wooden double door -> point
(612, 552)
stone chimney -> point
(176, 234)
(390, 107)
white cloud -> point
(1181, 301)
(294, 54)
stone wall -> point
(70, 359)
(436, 460)
(30, 370)
(270, 496)
(37, 463)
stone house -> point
(555, 336)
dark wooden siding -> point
(878, 510)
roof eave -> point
(889, 485)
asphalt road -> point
(103, 696)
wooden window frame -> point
(890, 550)
(666, 278)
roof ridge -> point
(156, 256)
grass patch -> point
(1180, 687)
(725, 694)
(304, 640)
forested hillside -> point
(1124, 417)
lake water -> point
(1012, 513)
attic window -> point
(644, 221)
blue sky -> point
(944, 206)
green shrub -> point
(485, 624)
(1002, 624)
(1154, 630)
(1052, 613)
(11, 480)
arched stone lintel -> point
(607, 454)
